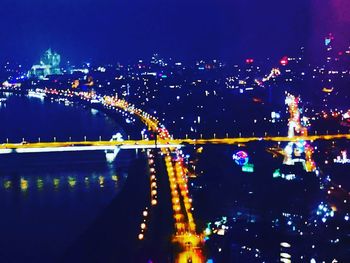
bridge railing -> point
(48, 139)
(214, 136)
(223, 135)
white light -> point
(285, 244)
(285, 255)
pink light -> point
(284, 61)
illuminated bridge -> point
(44, 147)
(7, 148)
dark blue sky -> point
(111, 30)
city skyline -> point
(180, 131)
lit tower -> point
(295, 128)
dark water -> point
(31, 118)
(47, 201)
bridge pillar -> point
(112, 154)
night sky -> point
(123, 30)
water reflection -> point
(72, 181)
(7, 184)
(56, 183)
(101, 181)
(27, 183)
(24, 184)
(40, 184)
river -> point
(47, 201)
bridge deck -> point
(142, 144)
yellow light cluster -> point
(153, 179)
(153, 186)
(178, 216)
(182, 182)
